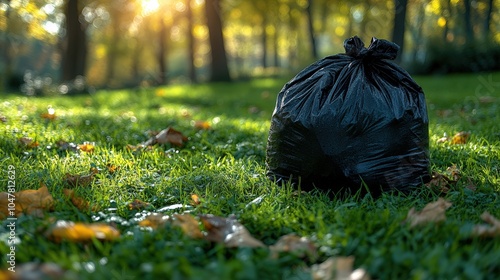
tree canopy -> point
(150, 42)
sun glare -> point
(149, 6)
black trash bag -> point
(351, 121)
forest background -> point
(69, 46)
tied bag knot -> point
(378, 49)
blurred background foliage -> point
(68, 46)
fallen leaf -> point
(228, 231)
(461, 137)
(454, 173)
(433, 212)
(439, 182)
(48, 116)
(34, 270)
(171, 136)
(112, 168)
(28, 142)
(87, 147)
(138, 204)
(189, 225)
(79, 202)
(30, 202)
(65, 146)
(491, 230)
(155, 220)
(296, 245)
(444, 182)
(202, 125)
(443, 139)
(81, 232)
(195, 199)
(338, 268)
(76, 180)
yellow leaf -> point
(433, 212)
(202, 125)
(31, 202)
(154, 220)
(461, 137)
(81, 232)
(195, 199)
(87, 147)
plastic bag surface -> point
(351, 120)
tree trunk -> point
(75, 49)
(398, 32)
(218, 65)
(487, 21)
(190, 39)
(310, 26)
(469, 36)
(263, 40)
(7, 60)
(162, 53)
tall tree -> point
(310, 27)
(75, 45)
(487, 21)
(162, 52)
(7, 60)
(218, 65)
(190, 39)
(398, 31)
(469, 35)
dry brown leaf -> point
(461, 137)
(76, 180)
(138, 204)
(87, 147)
(296, 245)
(433, 212)
(454, 173)
(339, 268)
(189, 225)
(28, 142)
(172, 136)
(439, 182)
(48, 116)
(82, 232)
(491, 230)
(79, 202)
(155, 220)
(228, 231)
(444, 182)
(31, 202)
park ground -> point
(86, 151)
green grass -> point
(225, 166)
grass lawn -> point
(224, 166)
